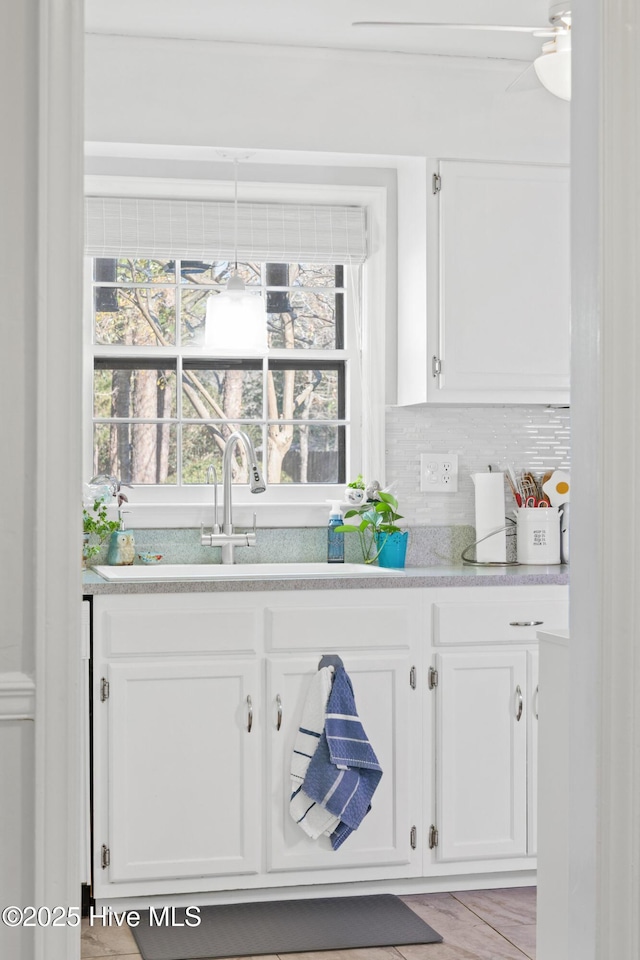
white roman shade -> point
(204, 230)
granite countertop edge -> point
(411, 577)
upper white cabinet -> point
(498, 295)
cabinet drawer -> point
(331, 628)
(496, 621)
(170, 625)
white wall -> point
(166, 105)
(18, 267)
(141, 90)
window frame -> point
(282, 504)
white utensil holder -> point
(538, 530)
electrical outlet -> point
(439, 472)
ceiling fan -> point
(552, 67)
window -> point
(163, 407)
(159, 404)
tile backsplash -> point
(536, 437)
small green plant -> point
(96, 526)
(358, 483)
(376, 517)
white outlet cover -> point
(439, 472)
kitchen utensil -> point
(557, 488)
(511, 478)
(529, 486)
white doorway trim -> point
(58, 450)
(604, 878)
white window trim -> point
(294, 505)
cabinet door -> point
(532, 754)
(184, 770)
(481, 762)
(389, 711)
(504, 297)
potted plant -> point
(96, 528)
(380, 538)
(355, 492)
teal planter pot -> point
(393, 549)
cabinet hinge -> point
(433, 837)
(436, 183)
(413, 837)
(412, 678)
(436, 366)
(104, 689)
(433, 678)
(105, 856)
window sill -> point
(188, 515)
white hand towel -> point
(311, 817)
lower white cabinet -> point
(482, 754)
(184, 769)
(197, 699)
(485, 710)
(381, 682)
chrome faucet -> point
(212, 477)
(228, 540)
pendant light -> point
(236, 321)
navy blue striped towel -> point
(344, 772)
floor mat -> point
(280, 926)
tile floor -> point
(475, 925)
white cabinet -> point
(482, 751)
(197, 700)
(486, 721)
(382, 685)
(553, 860)
(184, 769)
(498, 296)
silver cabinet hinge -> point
(433, 678)
(436, 366)
(413, 837)
(104, 689)
(412, 678)
(433, 837)
(105, 856)
(436, 183)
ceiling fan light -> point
(553, 67)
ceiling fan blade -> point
(527, 80)
(447, 26)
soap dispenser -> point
(122, 547)
(335, 540)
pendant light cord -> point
(235, 213)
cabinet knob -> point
(249, 714)
(519, 702)
(279, 715)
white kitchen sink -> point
(239, 571)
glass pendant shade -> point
(553, 68)
(236, 321)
